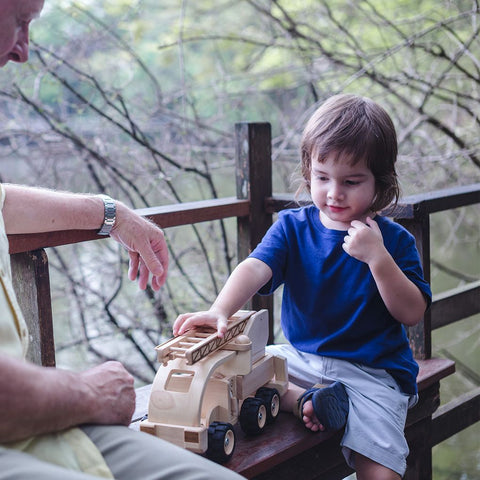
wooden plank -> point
(455, 304)
(254, 178)
(166, 216)
(206, 210)
(420, 335)
(195, 212)
(445, 199)
(433, 370)
(26, 242)
(456, 415)
(283, 201)
(428, 402)
(419, 461)
(285, 439)
(32, 287)
(253, 157)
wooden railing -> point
(254, 207)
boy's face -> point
(341, 191)
(15, 18)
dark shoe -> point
(330, 404)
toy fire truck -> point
(206, 384)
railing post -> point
(421, 335)
(32, 286)
(253, 154)
(419, 461)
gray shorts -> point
(377, 407)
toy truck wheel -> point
(253, 416)
(271, 399)
(221, 442)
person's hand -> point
(188, 321)
(364, 240)
(111, 394)
(146, 247)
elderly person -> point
(56, 424)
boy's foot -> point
(330, 405)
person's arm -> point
(33, 210)
(36, 400)
(402, 297)
(247, 278)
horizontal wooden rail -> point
(166, 216)
(195, 212)
(440, 200)
(408, 207)
(216, 209)
(456, 415)
(455, 304)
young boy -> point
(351, 280)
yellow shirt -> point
(70, 448)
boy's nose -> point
(335, 192)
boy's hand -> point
(188, 321)
(364, 241)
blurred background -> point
(138, 99)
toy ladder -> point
(200, 342)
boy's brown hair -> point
(357, 128)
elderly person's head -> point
(15, 18)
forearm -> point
(31, 210)
(36, 400)
(243, 283)
(247, 278)
(402, 297)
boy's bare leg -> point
(290, 397)
(367, 469)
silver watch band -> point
(110, 215)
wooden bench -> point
(286, 448)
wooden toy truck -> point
(207, 384)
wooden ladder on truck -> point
(200, 342)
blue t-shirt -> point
(331, 305)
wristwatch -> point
(110, 215)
